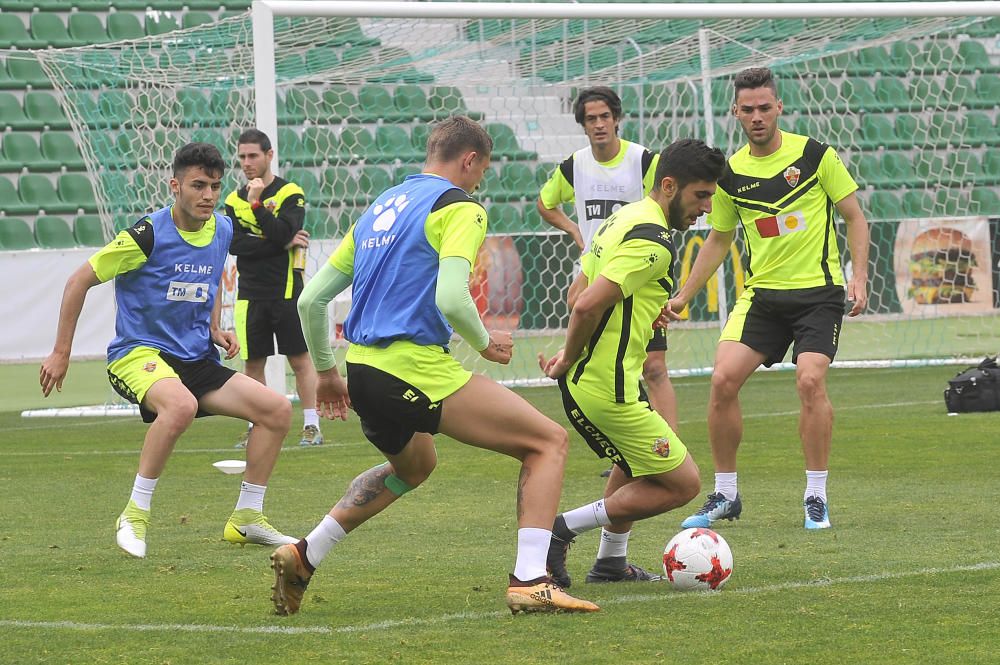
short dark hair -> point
(205, 155)
(456, 135)
(754, 77)
(688, 160)
(598, 93)
(254, 135)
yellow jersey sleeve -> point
(833, 176)
(724, 216)
(635, 263)
(119, 256)
(556, 190)
(648, 178)
(343, 257)
(457, 229)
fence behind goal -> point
(911, 104)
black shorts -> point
(769, 320)
(200, 377)
(390, 409)
(258, 322)
(659, 341)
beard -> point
(675, 215)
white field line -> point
(63, 425)
(474, 616)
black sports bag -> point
(975, 389)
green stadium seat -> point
(974, 57)
(392, 143)
(338, 187)
(13, 33)
(75, 189)
(989, 28)
(979, 130)
(990, 172)
(491, 186)
(542, 174)
(372, 181)
(160, 23)
(194, 108)
(87, 28)
(88, 231)
(790, 93)
(317, 222)
(305, 179)
(883, 206)
(117, 187)
(871, 60)
(418, 139)
(37, 190)
(214, 137)
(223, 103)
(891, 95)
(905, 57)
(988, 90)
(984, 201)
(15, 234)
(411, 103)
(156, 108)
(48, 27)
(961, 168)
(375, 103)
(446, 100)
(12, 115)
(868, 170)
(115, 106)
(60, 148)
(951, 203)
(944, 129)
(85, 105)
(504, 218)
(289, 66)
(339, 103)
(404, 171)
(317, 144)
(898, 170)
(929, 166)
(123, 25)
(356, 144)
(20, 148)
(27, 70)
(937, 56)
(53, 233)
(193, 19)
(908, 126)
(289, 147)
(961, 91)
(346, 31)
(321, 58)
(858, 96)
(917, 204)
(10, 200)
(518, 181)
(505, 142)
(877, 132)
(45, 110)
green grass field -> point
(910, 572)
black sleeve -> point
(245, 244)
(281, 228)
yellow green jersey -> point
(785, 203)
(632, 248)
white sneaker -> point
(131, 530)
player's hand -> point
(254, 189)
(857, 294)
(500, 347)
(332, 399)
(672, 310)
(227, 340)
(52, 372)
(663, 319)
(577, 237)
(555, 366)
(300, 239)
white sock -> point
(321, 540)
(249, 427)
(725, 484)
(816, 484)
(587, 517)
(142, 491)
(310, 417)
(251, 496)
(613, 544)
(532, 547)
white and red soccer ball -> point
(697, 560)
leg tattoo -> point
(366, 487)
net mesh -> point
(910, 104)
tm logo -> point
(187, 292)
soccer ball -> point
(697, 559)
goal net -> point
(909, 103)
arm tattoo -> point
(366, 487)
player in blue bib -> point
(167, 268)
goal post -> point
(347, 91)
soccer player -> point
(629, 277)
(782, 188)
(268, 213)
(599, 179)
(167, 269)
(409, 258)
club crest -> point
(662, 447)
(792, 176)
(149, 367)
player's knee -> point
(725, 385)
(810, 385)
(178, 413)
(557, 442)
(277, 414)
(654, 371)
